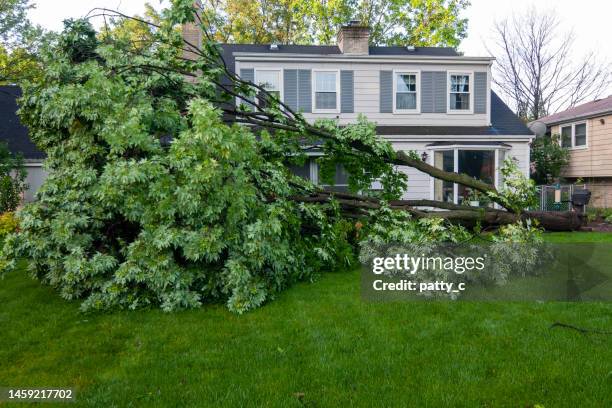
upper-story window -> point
(326, 91)
(574, 135)
(270, 80)
(460, 92)
(406, 92)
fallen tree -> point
(158, 195)
(359, 206)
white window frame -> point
(573, 135)
(314, 91)
(450, 111)
(280, 79)
(417, 74)
(455, 149)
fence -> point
(557, 197)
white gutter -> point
(374, 59)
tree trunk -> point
(358, 206)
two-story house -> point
(432, 100)
(586, 130)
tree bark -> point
(357, 206)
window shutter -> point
(246, 74)
(386, 91)
(440, 91)
(427, 92)
(304, 81)
(480, 92)
(290, 88)
(347, 100)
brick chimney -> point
(353, 39)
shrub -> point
(548, 159)
(12, 179)
(8, 224)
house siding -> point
(596, 159)
(367, 91)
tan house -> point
(586, 130)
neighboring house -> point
(586, 130)
(432, 100)
(15, 135)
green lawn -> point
(318, 345)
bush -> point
(12, 179)
(548, 159)
(8, 224)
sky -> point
(591, 20)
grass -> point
(317, 345)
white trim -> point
(473, 138)
(33, 164)
(455, 149)
(417, 74)
(572, 126)
(280, 79)
(450, 111)
(314, 91)
(376, 59)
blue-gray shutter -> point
(247, 74)
(290, 88)
(305, 90)
(347, 100)
(386, 91)
(440, 91)
(427, 92)
(480, 92)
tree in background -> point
(19, 42)
(12, 179)
(132, 30)
(547, 159)
(393, 22)
(537, 69)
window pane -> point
(443, 190)
(460, 101)
(405, 101)
(566, 136)
(479, 164)
(406, 83)
(325, 82)
(460, 83)
(301, 171)
(270, 80)
(580, 135)
(325, 100)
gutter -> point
(374, 59)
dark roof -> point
(229, 49)
(595, 108)
(11, 130)
(503, 122)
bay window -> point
(482, 163)
(326, 91)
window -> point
(270, 80)
(406, 98)
(460, 92)
(566, 136)
(326, 91)
(444, 190)
(311, 170)
(574, 136)
(580, 135)
(482, 164)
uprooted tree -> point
(159, 194)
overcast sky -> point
(591, 20)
